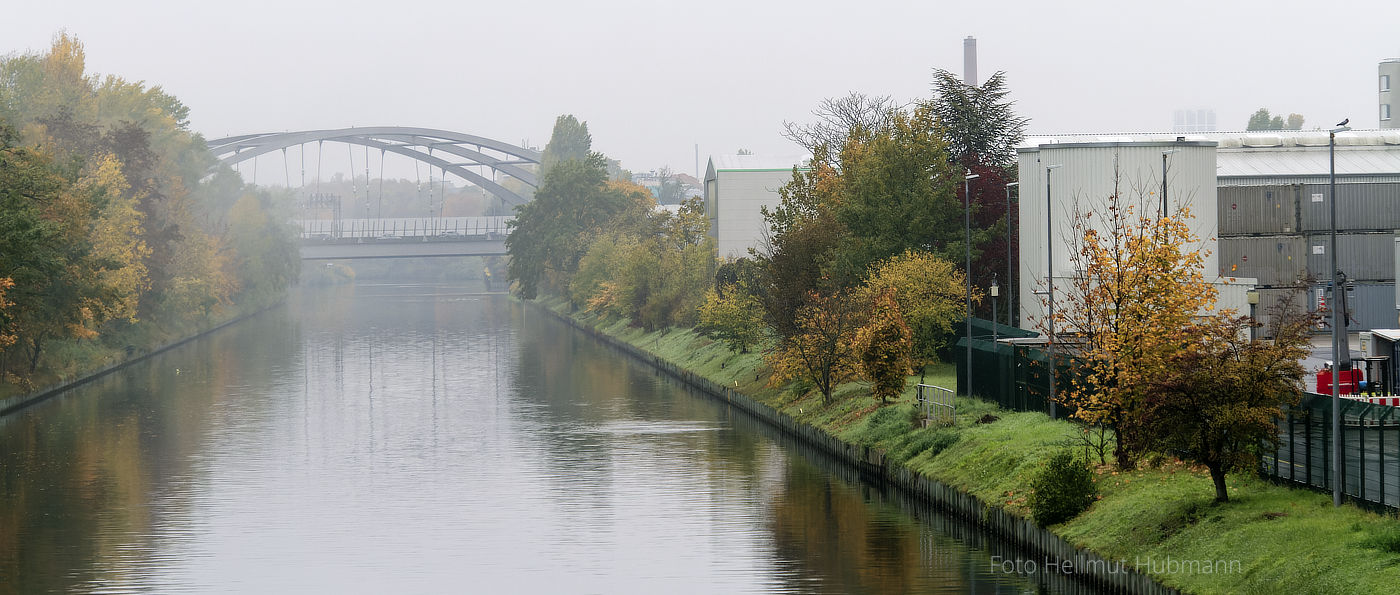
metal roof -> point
(758, 162)
(1272, 157)
(1307, 161)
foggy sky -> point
(652, 79)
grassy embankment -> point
(67, 360)
(1285, 540)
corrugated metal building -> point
(1271, 209)
(736, 188)
(1275, 209)
(1089, 171)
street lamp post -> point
(1252, 296)
(967, 272)
(1010, 284)
(1164, 178)
(1050, 279)
(994, 309)
(1337, 336)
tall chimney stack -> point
(970, 61)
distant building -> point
(668, 189)
(1193, 120)
(1389, 99)
(736, 188)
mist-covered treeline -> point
(602, 242)
(110, 221)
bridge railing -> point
(404, 228)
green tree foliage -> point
(1218, 401)
(884, 344)
(1062, 490)
(105, 219)
(575, 203)
(796, 269)
(731, 314)
(569, 141)
(655, 273)
(978, 123)
(267, 259)
(896, 190)
(929, 294)
(32, 251)
(1263, 120)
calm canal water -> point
(400, 438)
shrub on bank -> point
(1062, 490)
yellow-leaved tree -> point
(116, 239)
(928, 291)
(884, 344)
(1139, 284)
(822, 351)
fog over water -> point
(429, 438)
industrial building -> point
(1275, 217)
(1081, 173)
(1259, 198)
(737, 187)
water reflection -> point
(429, 439)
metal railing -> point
(425, 228)
(937, 403)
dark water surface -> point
(400, 438)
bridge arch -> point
(416, 143)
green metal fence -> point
(1370, 450)
(1015, 377)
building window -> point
(1385, 82)
(1385, 111)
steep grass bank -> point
(1161, 520)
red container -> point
(1347, 387)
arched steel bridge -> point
(416, 143)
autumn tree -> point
(822, 349)
(884, 344)
(928, 292)
(1129, 310)
(731, 314)
(1217, 401)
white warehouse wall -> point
(737, 187)
(1086, 178)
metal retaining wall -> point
(1091, 570)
